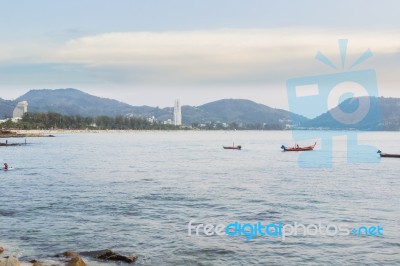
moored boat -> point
(298, 148)
(388, 155)
(233, 147)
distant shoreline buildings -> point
(18, 113)
(20, 110)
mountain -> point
(6, 108)
(75, 102)
(238, 111)
(386, 119)
(390, 113)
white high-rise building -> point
(177, 113)
(20, 109)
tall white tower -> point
(20, 109)
(177, 113)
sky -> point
(152, 52)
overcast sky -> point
(151, 52)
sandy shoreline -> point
(63, 131)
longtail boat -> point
(388, 155)
(298, 148)
(233, 147)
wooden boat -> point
(11, 144)
(389, 155)
(298, 148)
(233, 147)
(6, 144)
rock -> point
(95, 254)
(108, 255)
(76, 261)
(133, 258)
(36, 263)
(117, 257)
(10, 261)
(1, 249)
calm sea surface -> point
(136, 192)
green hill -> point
(240, 111)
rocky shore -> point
(70, 258)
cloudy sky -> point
(151, 52)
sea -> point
(151, 193)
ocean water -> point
(136, 192)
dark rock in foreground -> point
(70, 258)
(108, 255)
(36, 263)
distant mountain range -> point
(75, 102)
(388, 117)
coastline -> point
(72, 131)
(24, 133)
(32, 133)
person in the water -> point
(5, 166)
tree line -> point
(53, 120)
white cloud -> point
(219, 54)
(234, 61)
